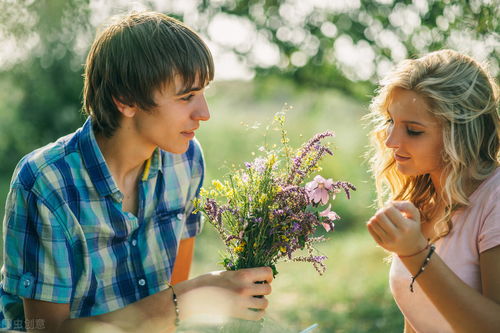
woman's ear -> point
(125, 109)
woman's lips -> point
(400, 158)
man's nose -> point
(202, 112)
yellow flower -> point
(203, 192)
(272, 159)
(218, 185)
(240, 247)
(263, 198)
(196, 204)
(285, 238)
(283, 249)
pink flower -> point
(331, 215)
(318, 189)
(328, 226)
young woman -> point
(436, 160)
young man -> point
(99, 223)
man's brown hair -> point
(135, 56)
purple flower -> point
(244, 177)
(298, 172)
(213, 210)
(318, 189)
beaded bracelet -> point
(174, 299)
(424, 265)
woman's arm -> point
(466, 309)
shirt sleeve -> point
(489, 233)
(194, 222)
(36, 251)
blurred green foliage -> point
(46, 41)
(382, 32)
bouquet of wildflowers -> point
(265, 211)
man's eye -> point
(187, 98)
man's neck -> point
(124, 155)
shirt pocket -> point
(169, 221)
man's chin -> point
(180, 149)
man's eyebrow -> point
(188, 90)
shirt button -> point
(142, 282)
(134, 242)
(26, 283)
(180, 216)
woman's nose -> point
(392, 140)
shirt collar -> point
(153, 165)
(96, 165)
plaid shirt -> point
(67, 239)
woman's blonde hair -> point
(464, 98)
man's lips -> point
(190, 133)
(400, 158)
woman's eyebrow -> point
(412, 122)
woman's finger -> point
(386, 223)
(408, 209)
(373, 232)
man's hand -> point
(224, 294)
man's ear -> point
(125, 109)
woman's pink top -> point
(475, 230)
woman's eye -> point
(187, 98)
(413, 133)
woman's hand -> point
(225, 294)
(396, 228)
